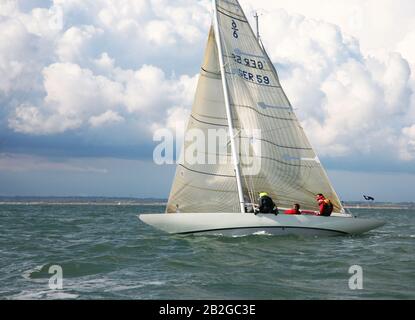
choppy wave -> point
(44, 295)
(106, 253)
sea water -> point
(105, 252)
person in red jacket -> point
(325, 205)
(294, 210)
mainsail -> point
(286, 166)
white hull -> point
(237, 224)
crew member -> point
(325, 205)
(266, 204)
(295, 210)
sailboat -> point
(239, 91)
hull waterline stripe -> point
(263, 227)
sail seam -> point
(209, 123)
(231, 3)
(262, 114)
(285, 147)
(285, 163)
(228, 15)
(208, 189)
(211, 117)
(212, 75)
(207, 173)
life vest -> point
(292, 211)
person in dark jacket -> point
(266, 204)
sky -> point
(84, 84)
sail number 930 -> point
(252, 63)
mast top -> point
(256, 16)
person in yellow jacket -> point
(266, 204)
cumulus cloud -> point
(79, 65)
(406, 46)
(76, 97)
(29, 120)
(408, 143)
(18, 69)
(350, 103)
(107, 117)
(73, 44)
(373, 22)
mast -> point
(257, 24)
(228, 108)
(258, 36)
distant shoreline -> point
(98, 201)
(40, 203)
(34, 203)
(113, 201)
